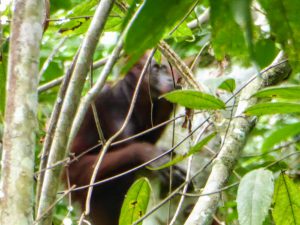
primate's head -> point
(161, 79)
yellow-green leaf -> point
(286, 202)
(273, 108)
(291, 92)
(194, 99)
(136, 202)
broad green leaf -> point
(194, 99)
(223, 27)
(283, 17)
(196, 148)
(136, 202)
(286, 202)
(279, 135)
(273, 108)
(242, 15)
(254, 197)
(134, 4)
(152, 21)
(292, 92)
(228, 85)
(264, 52)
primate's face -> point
(161, 79)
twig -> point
(203, 18)
(53, 204)
(58, 80)
(110, 140)
(187, 178)
(93, 92)
(142, 165)
(51, 56)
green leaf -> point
(196, 148)
(273, 108)
(81, 24)
(182, 33)
(242, 15)
(292, 92)
(2, 89)
(152, 21)
(194, 99)
(283, 17)
(279, 135)
(223, 27)
(58, 4)
(286, 202)
(136, 202)
(228, 85)
(254, 197)
(264, 52)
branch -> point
(21, 113)
(203, 18)
(93, 92)
(69, 107)
(237, 135)
(59, 80)
(51, 129)
(175, 61)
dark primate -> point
(112, 106)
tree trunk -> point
(17, 181)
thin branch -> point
(178, 209)
(54, 204)
(75, 158)
(203, 18)
(187, 178)
(93, 92)
(95, 113)
(58, 80)
(211, 193)
(51, 129)
(110, 140)
(51, 56)
(283, 158)
(144, 164)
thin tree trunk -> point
(17, 181)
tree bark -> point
(17, 181)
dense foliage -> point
(225, 43)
